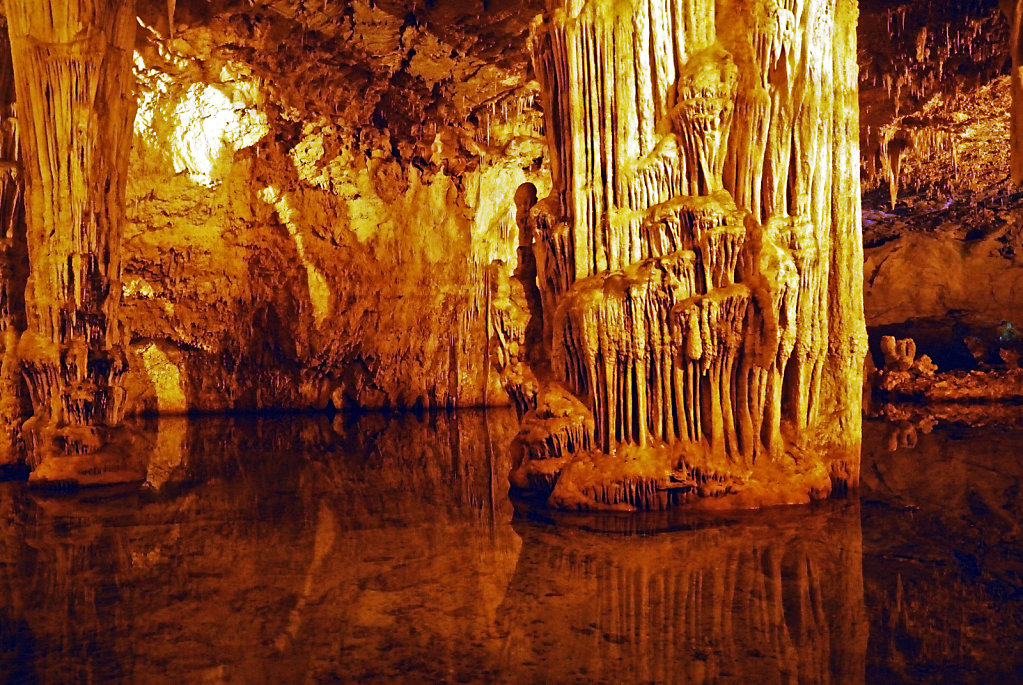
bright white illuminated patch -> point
(137, 287)
(202, 126)
(166, 380)
(210, 129)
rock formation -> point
(13, 263)
(698, 258)
(942, 213)
(920, 63)
(75, 102)
(316, 190)
(1014, 12)
(674, 278)
(300, 230)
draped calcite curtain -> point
(75, 97)
(700, 259)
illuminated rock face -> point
(309, 214)
(72, 66)
(13, 262)
(699, 257)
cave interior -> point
(511, 340)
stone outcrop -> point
(75, 103)
(324, 242)
(13, 263)
(698, 258)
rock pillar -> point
(699, 260)
(1013, 10)
(75, 101)
(13, 263)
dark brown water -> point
(295, 550)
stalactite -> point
(913, 74)
(507, 321)
(73, 73)
(1014, 10)
(687, 256)
(914, 139)
(613, 346)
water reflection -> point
(943, 559)
(279, 550)
(303, 550)
(768, 598)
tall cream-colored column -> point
(76, 105)
(701, 271)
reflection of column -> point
(74, 80)
(776, 600)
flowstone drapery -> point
(698, 260)
(13, 262)
(72, 65)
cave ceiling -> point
(933, 98)
(410, 68)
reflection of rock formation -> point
(375, 550)
(280, 550)
(775, 600)
(72, 67)
(698, 260)
(942, 534)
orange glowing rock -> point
(699, 255)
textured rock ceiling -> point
(413, 67)
(933, 115)
(407, 67)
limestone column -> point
(75, 100)
(13, 262)
(702, 271)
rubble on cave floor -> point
(914, 393)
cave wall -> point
(943, 216)
(299, 239)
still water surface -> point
(303, 550)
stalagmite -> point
(75, 100)
(697, 258)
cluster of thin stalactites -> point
(682, 258)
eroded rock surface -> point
(698, 257)
(316, 190)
